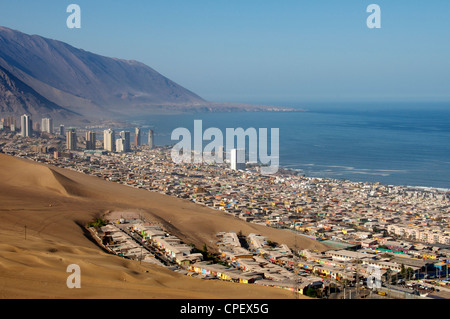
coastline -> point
(360, 147)
(292, 171)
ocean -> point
(391, 143)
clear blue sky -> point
(257, 50)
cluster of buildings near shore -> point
(397, 226)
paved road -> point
(153, 250)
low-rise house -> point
(369, 243)
(399, 246)
(235, 254)
(217, 271)
(256, 241)
(383, 264)
(153, 231)
(297, 285)
(186, 260)
(346, 255)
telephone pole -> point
(297, 279)
(356, 278)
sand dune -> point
(42, 208)
(29, 176)
(37, 177)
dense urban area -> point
(386, 241)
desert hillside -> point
(42, 212)
(85, 82)
(46, 77)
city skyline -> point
(110, 142)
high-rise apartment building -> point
(137, 136)
(120, 145)
(109, 140)
(151, 143)
(9, 122)
(47, 125)
(237, 159)
(26, 125)
(71, 139)
(90, 140)
(125, 136)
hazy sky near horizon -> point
(264, 51)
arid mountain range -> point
(41, 76)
